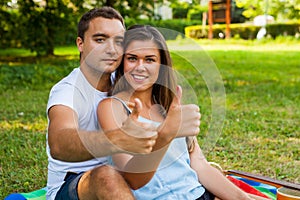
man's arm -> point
(68, 143)
(63, 135)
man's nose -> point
(111, 47)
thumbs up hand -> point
(137, 107)
(138, 137)
(181, 120)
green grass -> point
(260, 131)
(261, 128)
(23, 162)
(262, 81)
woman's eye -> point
(131, 58)
(150, 60)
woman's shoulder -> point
(114, 103)
(110, 113)
(108, 102)
(122, 95)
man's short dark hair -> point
(105, 12)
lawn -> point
(248, 92)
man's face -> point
(102, 50)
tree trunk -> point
(49, 47)
(110, 3)
(50, 51)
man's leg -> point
(103, 183)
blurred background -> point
(253, 46)
(40, 25)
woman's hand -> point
(181, 120)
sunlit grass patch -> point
(261, 130)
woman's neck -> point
(149, 110)
(145, 97)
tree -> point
(180, 9)
(130, 8)
(9, 25)
(237, 13)
(42, 23)
(283, 9)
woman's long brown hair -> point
(164, 89)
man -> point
(76, 148)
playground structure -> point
(219, 11)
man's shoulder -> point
(67, 82)
(70, 78)
(65, 86)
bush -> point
(286, 29)
(10, 29)
(177, 25)
(196, 12)
(244, 31)
(179, 12)
(34, 75)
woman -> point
(176, 169)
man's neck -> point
(104, 83)
(100, 81)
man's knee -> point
(104, 183)
(107, 177)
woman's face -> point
(141, 64)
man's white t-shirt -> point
(75, 92)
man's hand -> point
(181, 120)
(136, 137)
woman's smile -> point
(141, 64)
(138, 77)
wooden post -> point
(210, 20)
(219, 11)
(227, 14)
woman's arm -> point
(214, 181)
(137, 169)
(69, 143)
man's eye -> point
(119, 42)
(99, 40)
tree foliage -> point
(40, 25)
(43, 23)
(37, 25)
(280, 9)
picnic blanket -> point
(274, 189)
(248, 186)
(253, 187)
(39, 194)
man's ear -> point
(79, 43)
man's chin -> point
(109, 68)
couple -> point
(138, 130)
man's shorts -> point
(68, 191)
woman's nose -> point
(140, 66)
